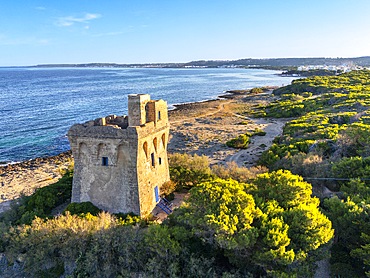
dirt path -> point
(258, 144)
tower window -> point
(105, 161)
(153, 161)
(159, 115)
(159, 160)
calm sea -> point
(37, 106)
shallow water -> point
(37, 106)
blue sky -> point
(149, 31)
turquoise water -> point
(37, 106)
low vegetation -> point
(226, 229)
(187, 171)
(240, 174)
(82, 208)
(257, 90)
(242, 141)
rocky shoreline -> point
(25, 177)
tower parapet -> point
(121, 162)
(136, 109)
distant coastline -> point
(267, 63)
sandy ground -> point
(208, 126)
(258, 144)
(24, 178)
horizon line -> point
(166, 63)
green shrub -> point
(259, 132)
(240, 142)
(355, 140)
(303, 146)
(255, 91)
(268, 158)
(82, 208)
(246, 122)
(185, 177)
(167, 189)
(352, 167)
(48, 197)
(187, 170)
(129, 219)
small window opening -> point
(153, 161)
(105, 161)
(159, 160)
(159, 115)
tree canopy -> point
(271, 224)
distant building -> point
(341, 68)
(121, 162)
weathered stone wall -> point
(152, 167)
(110, 187)
(156, 111)
(136, 109)
(119, 161)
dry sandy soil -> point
(209, 125)
(196, 128)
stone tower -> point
(121, 162)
